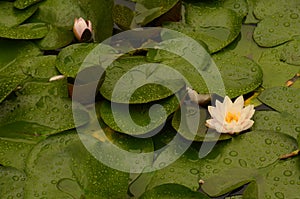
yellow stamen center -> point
(232, 116)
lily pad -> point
(72, 167)
(278, 28)
(100, 14)
(10, 16)
(133, 80)
(59, 14)
(282, 99)
(276, 67)
(13, 151)
(13, 49)
(264, 9)
(251, 18)
(172, 191)
(41, 103)
(240, 74)
(185, 117)
(234, 166)
(25, 31)
(277, 122)
(55, 39)
(22, 4)
(147, 11)
(218, 27)
(245, 45)
(123, 16)
(137, 119)
(12, 182)
(70, 58)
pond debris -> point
(291, 81)
(230, 117)
(56, 77)
(83, 30)
(289, 155)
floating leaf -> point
(59, 14)
(42, 103)
(56, 38)
(69, 59)
(264, 9)
(70, 165)
(133, 80)
(252, 157)
(277, 122)
(147, 11)
(245, 45)
(278, 28)
(282, 99)
(13, 49)
(25, 31)
(173, 191)
(100, 14)
(215, 27)
(13, 151)
(275, 65)
(184, 171)
(250, 18)
(137, 119)
(12, 182)
(21, 4)
(240, 74)
(10, 16)
(184, 120)
(123, 16)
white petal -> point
(239, 102)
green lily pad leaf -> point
(278, 28)
(174, 191)
(282, 99)
(140, 118)
(41, 103)
(277, 122)
(270, 181)
(13, 49)
(70, 58)
(252, 150)
(184, 171)
(239, 6)
(216, 27)
(9, 84)
(185, 117)
(51, 155)
(241, 75)
(20, 69)
(25, 31)
(245, 45)
(254, 156)
(250, 18)
(22, 4)
(275, 65)
(133, 80)
(57, 14)
(69, 165)
(290, 53)
(56, 38)
(13, 151)
(147, 11)
(108, 143)
(100, 14)
(123, 16)
(264, 9)
(12, 182)
(10, 16)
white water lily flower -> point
(82, 29)
(228, 117)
